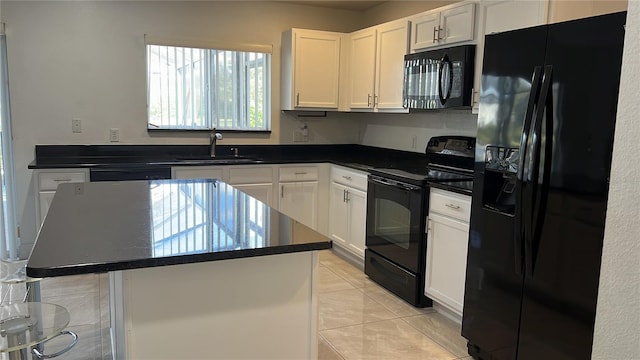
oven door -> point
(395, 222)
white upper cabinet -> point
(391, 48)
(377, 65)
(443, 26)
(310, 71)
(362, 68)
(504, 15)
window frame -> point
(212, 45)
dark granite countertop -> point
(108, 226)
(110, 156)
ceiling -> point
(344, 5)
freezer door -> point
(563, 262)
(494, 276)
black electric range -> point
(397, 207)
(450, 160)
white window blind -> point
(200, 88)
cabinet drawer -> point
(351, 178)
(299, 173)
(250, 175)
(451, 204)
(51, 180)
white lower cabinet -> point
(262, 192)
(447, 241)
(197, 172)
(348, 209)
(299, 194)
(256, 181)
(47, 182)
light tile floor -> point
(357, 318)
(361, 320)
(86, 297)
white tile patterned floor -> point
(357, 318)
(361, 320)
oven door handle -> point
(393, 183)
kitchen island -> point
(198, 269)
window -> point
(195, 88)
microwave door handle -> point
(445, 60)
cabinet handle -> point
(298, 99)
(62, 180)
(282, 191)
(300, 173)
(344, 195)
(375, 100)
(452, 206)
(347, 177)
(435, 30)
(439, 31)
(368, 100)
(347, 191)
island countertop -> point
(109, 226)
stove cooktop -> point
(417, 177)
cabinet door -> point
(317, 69)
(45, 198)
(299, 200)
(391, 49)
(357, 201)
(339, 215)
(498, 16)
(362, 69)
(424, 31)
(262, 192)
(447, 241)
(195, 172)
(457, 24)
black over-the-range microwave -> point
(438, 79)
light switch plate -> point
(114, 134)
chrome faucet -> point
(213, 137)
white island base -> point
(261, 307)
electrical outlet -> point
(114, 134)
(76, 125)
(299, 136)
(414, 142)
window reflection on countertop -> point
(191, 217)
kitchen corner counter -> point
(102, 227)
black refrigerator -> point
(543, 157)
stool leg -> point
(14, 340)
(33, 295)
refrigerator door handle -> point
(536, 197)
(445, 60)
(520, 182)
(541, 154)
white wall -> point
(396, 131)
(85, 60)
(392, 10)
(617, 331)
